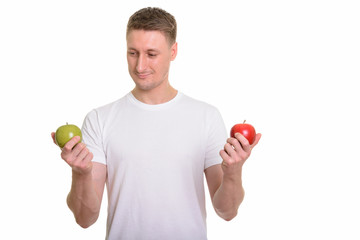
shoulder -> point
(112, 106)
(196, 103)
(199, 106)
(108, 109)
(100, 118)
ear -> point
(173, 51)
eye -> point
(152, 55)
(132, 53)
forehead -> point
(146, 39)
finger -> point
(53, 137)
(257, 139)
(70, 144)
(226, 158)
(243, 141)
(72, 157)
(89, 157)
(77, 149)
(83, 163)
(79, 160)
(229, 149)
(235, 143)
(87, 163)
(83, 153)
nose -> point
(141, 64)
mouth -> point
(142, 75)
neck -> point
(155, 96)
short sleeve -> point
(92, 136)
(216, 138)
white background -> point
(288, 67)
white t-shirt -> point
(155, 156)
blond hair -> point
(153, 19)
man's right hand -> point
(76, 155)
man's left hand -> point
(236, 151)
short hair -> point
(153, 19)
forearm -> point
(228, 197)
(83, 200)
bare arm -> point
(84, 198)
(226, 194)
(225, 180)
(88, 182)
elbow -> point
(230, 216)
(85, 223)
(84, 217)
(227, 216)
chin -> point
(144, 86)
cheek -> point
(154, 64)
(161, 65)
(131, 62)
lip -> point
(143, 75)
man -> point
(152, 147)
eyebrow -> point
(148, 50)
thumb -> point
(53, 137)
(257, 139)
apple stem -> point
(244, 121)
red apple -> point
(247, 130)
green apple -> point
(65, 133)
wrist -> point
(233, 176)
(232, 181)
(83, 171)
(84, 176)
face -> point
(149, 55)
